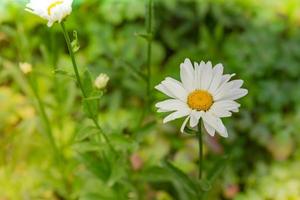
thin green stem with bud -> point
(84, 94)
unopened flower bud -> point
(26, 68)
(101, 81)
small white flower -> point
(204, 92)
(51, 10)
(26, 68)
(101, 81)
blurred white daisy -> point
(51, 10)
(204, 92)
(26, 68)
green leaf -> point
(203, 184)
(168, 173)
(64, 73)
(141, 132)
(90, 108)
(88, 146)
(186, 183)
(134, 71)
(75, 44)
(217, 169)
(117, 172)
(90, 103)
(155, 174)
(98, 165)
(145, 36)
(213, 174)
(90, 190)
(85, 133)
(98, 97)
(189, 131)
(87, 83)
(123, 142)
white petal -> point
(172, 88)
(234, 94)
(225, 133)
(206, 76)
(176, 115)
(187, 75)
(195, 116)
(224, 108)
(209, 129)
(226, 78)
(196, 74)
(226, 88)
(237, 83)
(216, 123)
(171, 105)
(235, 110)
(227, 104)
(219, 112)
(176, 88)
(162, 110)
(184, 124)
(198, 71)
(217, 78)
(163, 89)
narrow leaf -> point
(85, 133)
(189, 131)
(75, 44)
(187, 184)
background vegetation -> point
(257, 40)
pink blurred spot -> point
(136, 161)
(214, 145)
(231, 191)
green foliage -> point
(258, 40)
(90, 102)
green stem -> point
(53, 62)
(45, 120)
(200, 140)
(57, 155)
(71, 53)
(149, 49)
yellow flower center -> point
(200, 100)
(52, 5)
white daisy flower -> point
(204, 92)
(51, 10)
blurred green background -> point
(259, 40)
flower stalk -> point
(57, 155)
(200, 142)
(84, 94)
(149, 49)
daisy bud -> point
(50, 10)
(26, 68)
(101, 81)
